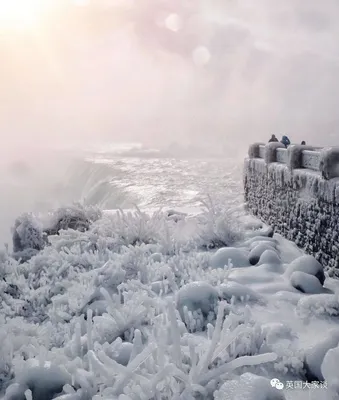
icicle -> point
(210, 331)
(137, 344)
(237, 363)
(28, 394)
(207, 358)
(77, 337)
(175, 331)
(89, 329)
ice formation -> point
(131, 308)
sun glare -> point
(21, 14)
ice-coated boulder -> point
(44, 381)
(223, 257)
(197, 296)
(314, 356)
(258, 250)
(249, 387)
(306, 283)
(270, 257)
(308, 265)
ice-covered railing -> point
(325, 160)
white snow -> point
(230, 256)
(165, 305)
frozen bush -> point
(65, 218)
(27, 234)
(320, 305)
(229, 256)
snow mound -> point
(238, 291)
(198, 300)
(314, 356)
(308, 265)
(44, 381)
(306, 283)
(329, 370)
(258, 250)
(269, 257)
(230, 256)
(248, 387)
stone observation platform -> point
(296, 192)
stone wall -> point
(297, 193)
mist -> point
(163, 71)
(219, 74)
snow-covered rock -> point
(238, 291)
(197, 296)
(306, 283)
(230, 256)
(44, 381)
(329, 370)
(249, 387)
(308, 265)
(314, 356)
(269, 257)
(258, 250)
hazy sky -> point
(164, 70)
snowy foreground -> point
(166, 306)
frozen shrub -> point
(27, 234)
(219, 227)
(68, 218)
(320, 305)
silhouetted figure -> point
(273, 139)
(303, 143)
(285, 141)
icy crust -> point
(134, 309)
(299, 204)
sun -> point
(21, 14)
